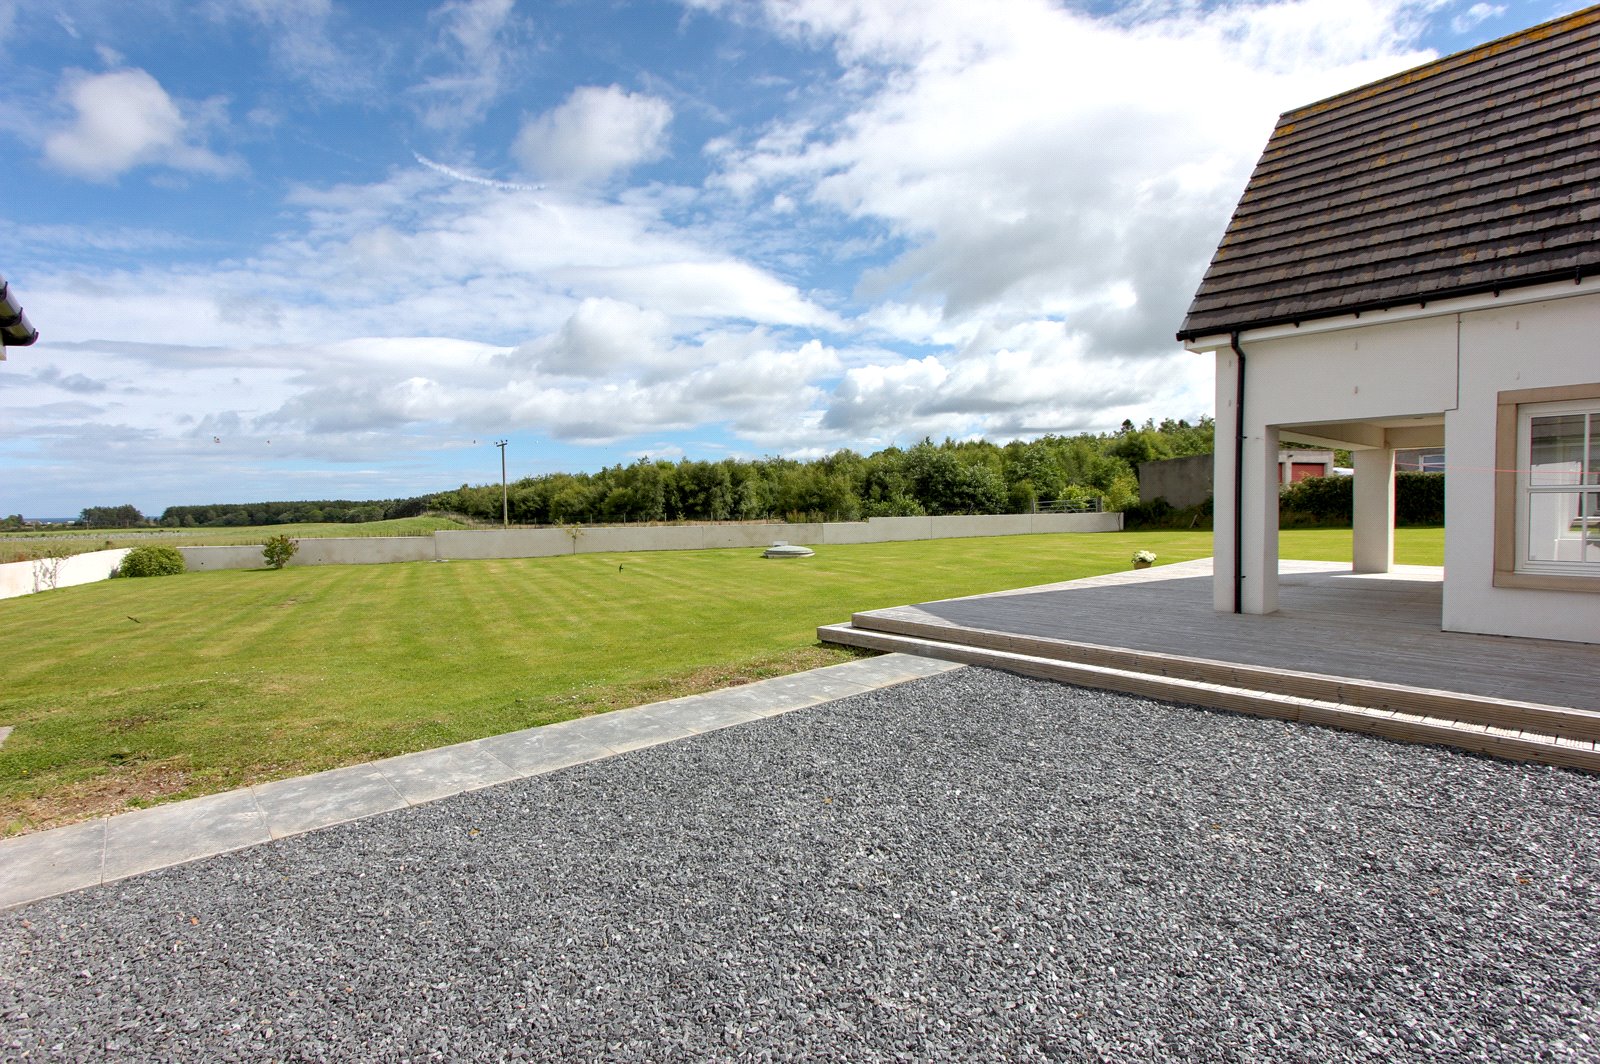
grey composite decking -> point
(1332, 622)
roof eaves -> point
(15, 329)
(1223, 327)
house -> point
(15, 330)
(1295, 466)
(1416, 264)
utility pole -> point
(505, 504)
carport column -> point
(1259, 512)
(1374, 511)
(1260, 591)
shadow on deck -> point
(1360, 652)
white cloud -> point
(594, 134)
(300, 36)
(1037, 163)
(125, 119)
(474, 37)
(1475, 14)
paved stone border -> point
(98, 851)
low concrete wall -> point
(464, 545)
(241, 557)
(351, 550)
(504, 543)
(25, 578)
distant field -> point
(23, 546)
(132, 691)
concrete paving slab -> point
(632, 729)
(708, 712)
(536, 750)
(183, 831)
(52, 862)
(432, 774)
(309, 802)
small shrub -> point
(151, 559)
(278, 550)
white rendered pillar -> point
(1259, 593)
(1374, 511)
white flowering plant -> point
(1145, 556)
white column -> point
(1260, 591)
(1374, 511)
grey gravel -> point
(974, 866)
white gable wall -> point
(1346, 375)
(1537, 345)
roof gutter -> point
(15, 329)
(1238, 476)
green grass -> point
(133, 691)
(36, 543)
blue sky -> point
(285, 249)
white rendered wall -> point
(1383, 370)
(46, 574)
(1534, 346)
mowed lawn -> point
(134, 691)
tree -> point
(125, 516)
(277, 551)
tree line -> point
(951, 477)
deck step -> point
(1504, 713)
(1513, 743)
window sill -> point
(1547, 581)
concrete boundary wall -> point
(44, 574)
(462, 545)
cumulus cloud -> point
(594, 134)
(990, 223)
(125, 119)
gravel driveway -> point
(969, 867)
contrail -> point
(508, 186)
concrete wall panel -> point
(200, 559)
(363, 550)
(504, 543)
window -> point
(1548, 489)
(1558, 528)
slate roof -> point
(1477, 172)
